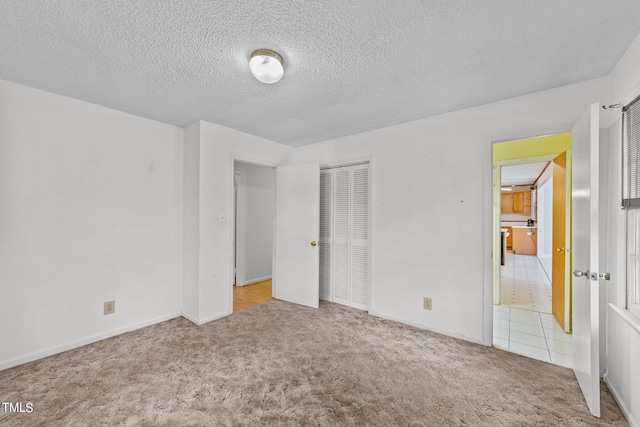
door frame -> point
(497, 176)
(232, 226)
(492, 210)
(239, 226)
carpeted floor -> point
(283, 364)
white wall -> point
(432, 204)
(258, 188)
(209, 271)
(90, 211)
(191, 222)
(623, 368)
(622, 329)
(515, 217)
(545, 224)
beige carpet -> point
(282, 364)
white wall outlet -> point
(426, 303)
(109, 307)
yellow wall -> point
(531, 147)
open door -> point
(296, 270)
(585, 199)
(560, 288)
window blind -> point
(631, 155)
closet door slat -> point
(326, 243)
(359, 236)
(360, 203)
(359, 277)
(341, 235)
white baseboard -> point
(206, 319)
(623, 407)
(426, 328)
(252, 281)
(189, 318)
(83, 341)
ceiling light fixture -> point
(266, 65)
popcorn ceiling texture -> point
(350, 66)
(283, 364)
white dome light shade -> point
(266, 66)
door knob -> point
(578, 273)
(314, 243)
(559, 249)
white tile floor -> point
(523, 323)
(524, 284)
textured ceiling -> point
(350, 66)
(525, 174)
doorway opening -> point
(254, 213)
(532, 291)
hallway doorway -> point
(530, 223)
(254, 213)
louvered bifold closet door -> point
(341, 235)
(359, 236)
(326, 225)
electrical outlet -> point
(426, 303)
(109, 307)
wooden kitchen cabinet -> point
(519, 202)
(527, 202)
(506, 202)
(522, 202)
(523, 242)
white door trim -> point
(240, 228)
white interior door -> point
(585, 295)
(296, 269)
